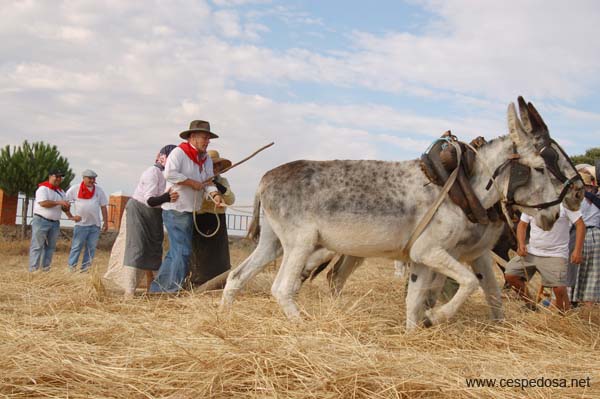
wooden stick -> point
(216, 283)
(238, 163)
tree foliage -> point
(590, 157)
(24, 167)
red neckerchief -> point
(192, 154)
(50, 186)
(85, 192)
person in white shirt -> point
(188, 172)
(89, 200)
(546, 253)
(50, 200)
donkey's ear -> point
(536, 119)
(524, 113)
(515, 129)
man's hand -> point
(576, 258)
(522, 250)
(76, 218)
(105, 227)
(173, 195)
(196, 185)
(218, 199)
(64, 205)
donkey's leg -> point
(340, 272)
(268, 249)
(484, 271)
(437, 285)
(419, 282)
(289, 278)
(440, 261)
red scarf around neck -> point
(50, 186)
(85, 192)
(192, 154)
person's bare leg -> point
(518, 284)
(562, 298)
(149, 278)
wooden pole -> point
(239, 163)
(216, 283)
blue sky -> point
(110, 82)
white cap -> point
(89, 173)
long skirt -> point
(587, 286)
(210, 255)
(145, 234)
(120, 277)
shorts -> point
(552, 269)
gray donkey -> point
(377, 205)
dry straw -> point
(60, 337)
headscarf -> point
(163, 154)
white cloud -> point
(40, 76)
(74, 34)
(228, 22)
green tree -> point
(26, 166)
(590, 157)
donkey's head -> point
(557, 161)
(550, 178)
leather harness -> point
(440, 160)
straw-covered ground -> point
(59, 337)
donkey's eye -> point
(541, 170)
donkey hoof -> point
(427, 322)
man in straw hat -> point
(187, 167)
(210, 242)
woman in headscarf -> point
(210, 245)
(587, 285)
(137, 250)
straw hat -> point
(588, 173)
(198, 126)
(216, 158)
(588, 178)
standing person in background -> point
(186, 169)
(50, 199)
(138, 249)
(89, 200)
(210, 246)
(587, 285)
(546, 253)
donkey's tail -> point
(254, 229)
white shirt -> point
(152, 184)
(47, 194)
(553, 243)
(179, 168)
(591, 213)
(88, 209)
